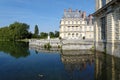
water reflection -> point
(87, 65)
(15, 49)
(67, 65)
(107, 67)
(79, 64)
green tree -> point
(15, 31)
(51, 34)
(36, 31)
(43, 35)
(4, 33)
(56, 33)
(19, 30)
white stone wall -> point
(53, 42)
(75, 44)
(77, 47)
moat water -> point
(19, 62)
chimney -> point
(76, 10)
(64, 10)
(70, 10)
(80, 13)
(84, 15)
(90, 18)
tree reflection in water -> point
(15, 49)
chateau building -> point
(75, 25)
(107, 26)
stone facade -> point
(107, 26)
(75, 25)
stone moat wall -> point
(64, 44)
(42, 42)
(109, 48)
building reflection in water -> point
(86, 65)
(107, 67)
(78, 64)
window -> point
(76, 22)
(68, 22)
(68, 34)
(117, 24)
(89, 35)
(68, 28)
(80, 35)
(90, 29)
(103, 2)
(80, 28)
(72, 34)
(103, 28)
(76, 34)
(72, 27)
(72, 22)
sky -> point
(44, 13)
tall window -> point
(68, 28)
(103, 2)
(103, 28)
(68, 34)
(72, 27)
(76, 34)
(72, 34)
(117, 24)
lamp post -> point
(48, 36)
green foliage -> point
(93, 48)
(56, 33)
(60, 38)
(35, 36)
(15, 31)
(83, 37)
(43, 35)
(51, 34)
(36, 31)
(47, 46)
(15, 49)
(4, 33)
(59, 46)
